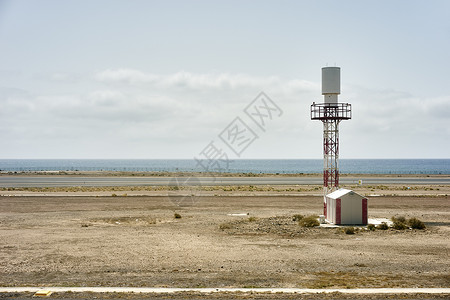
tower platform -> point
(328, 111)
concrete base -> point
(376, 221)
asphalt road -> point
(62, 181)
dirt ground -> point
(136, 241)
(227, 295)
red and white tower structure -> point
(331, 113)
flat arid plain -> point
(221, 236)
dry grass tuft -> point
(415, 223)
(297, 217)
(309, 221)
(383, 226)
(224, 226)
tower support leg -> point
(330, 159)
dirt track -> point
(136, 241)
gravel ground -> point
(136, 241)
(194, 296)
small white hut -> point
(345, 207)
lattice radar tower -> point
(331, 113)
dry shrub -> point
(224, 226)
(349, 230)
(383, 226)
(371, 227)
(415, 223)
(399, 225)
(310, 221)
(399, 219)
(297, 217)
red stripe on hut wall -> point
(364, 211)
(338, 211)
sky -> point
(167, 79)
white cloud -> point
(188, 80)
(105, 97)
(124, 75)
(134, 114)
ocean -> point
(282, 166)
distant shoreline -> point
(237, 167)
(201, 174)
